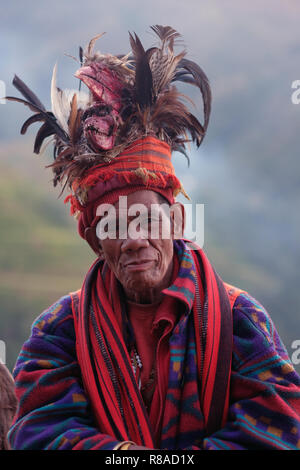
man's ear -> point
(92, 239)
(177, 214)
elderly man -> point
(155, 351)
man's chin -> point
(138, 282)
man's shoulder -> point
(59, 316)
(233, 292)
(247, 309)
(254, 331)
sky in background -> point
(247, 170)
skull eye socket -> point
(99, 110)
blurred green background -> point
(246, 172)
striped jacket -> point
(264, 409)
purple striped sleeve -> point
(53, 412)
(264, 410)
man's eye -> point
(145, 223)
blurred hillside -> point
(41, 255)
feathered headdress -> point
(130, 98)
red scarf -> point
(105, 363)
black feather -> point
(81, 62)
(27, 93)
(181, 149)
(143, 77)
(47, 117)
(189, 72)
(81, 55)
(45, 131)
(196, 129)
(31, 106)
(35, 118)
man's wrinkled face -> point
(143, 259)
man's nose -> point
(134, 243)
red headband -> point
(146, 164)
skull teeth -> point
(93, 129)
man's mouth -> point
(139, 265)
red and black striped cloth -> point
(145, 164)
(105, 361)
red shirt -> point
(141, 317)
(152, 325)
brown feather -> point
(91, 44)
(166, 34)
(72, 117)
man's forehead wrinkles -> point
(150, 207)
